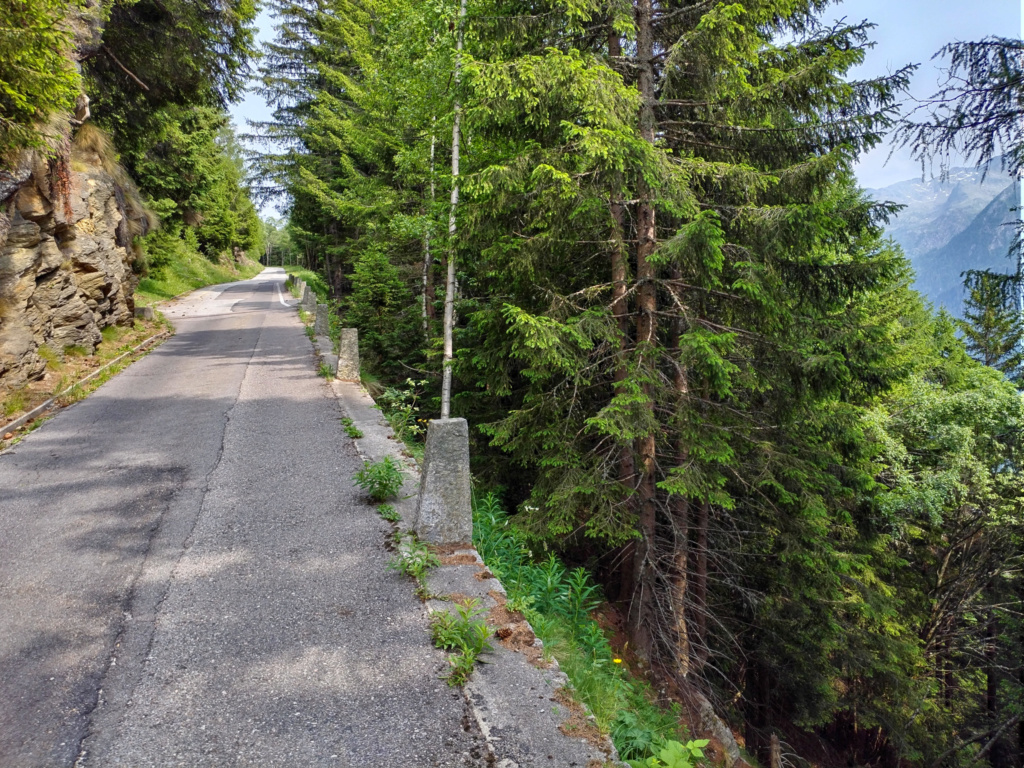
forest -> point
(692, 362)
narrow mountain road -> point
(188, 578)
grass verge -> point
(64, 370)
(187, 274)
(314, 280)
(558, 603)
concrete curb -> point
(513, 696)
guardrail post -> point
(348, 355)
(444, 510)
(308, 299)
(322, 324)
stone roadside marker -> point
(308, 300)
(322, 324)
(145, 313)
(444, 511)
(348, 355)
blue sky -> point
(908, 31)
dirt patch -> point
(577, 724)
(463, 559)
(460, 599)
(499, 615)
(449, 549)
(483, 575)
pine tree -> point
(993, 326)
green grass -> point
(113, 333)
(389, 513)
(316, 282)
(187, 274)
(13, 402)
(558, 603)
(50, 356)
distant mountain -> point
(951, 226)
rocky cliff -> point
(65, 259)
(67, 220)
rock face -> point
(65, 265)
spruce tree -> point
(993, 326)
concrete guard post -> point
(322, 324)
(308, 299)
(444, 510)
(348, 355)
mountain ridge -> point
(952, 224)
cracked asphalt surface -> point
(188, 577)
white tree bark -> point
(428, 258)
(449, 288)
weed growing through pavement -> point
(325, 371)
(310, 332)
(351, 429)
(380, 479)
(415, 560)
(465, 635)
(389, 513)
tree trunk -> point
(646, 331)
(449, 288)
(428, 259)
(680, 508)
(620, 311)
(700, 583)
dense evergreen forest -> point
(691, 361)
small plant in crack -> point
(350, 428)
(311, 332)
(465, 635)
(414, 560)
(380, 479)
(389, 513)
(325, 371)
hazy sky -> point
(908, 31)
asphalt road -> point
(188, 577)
